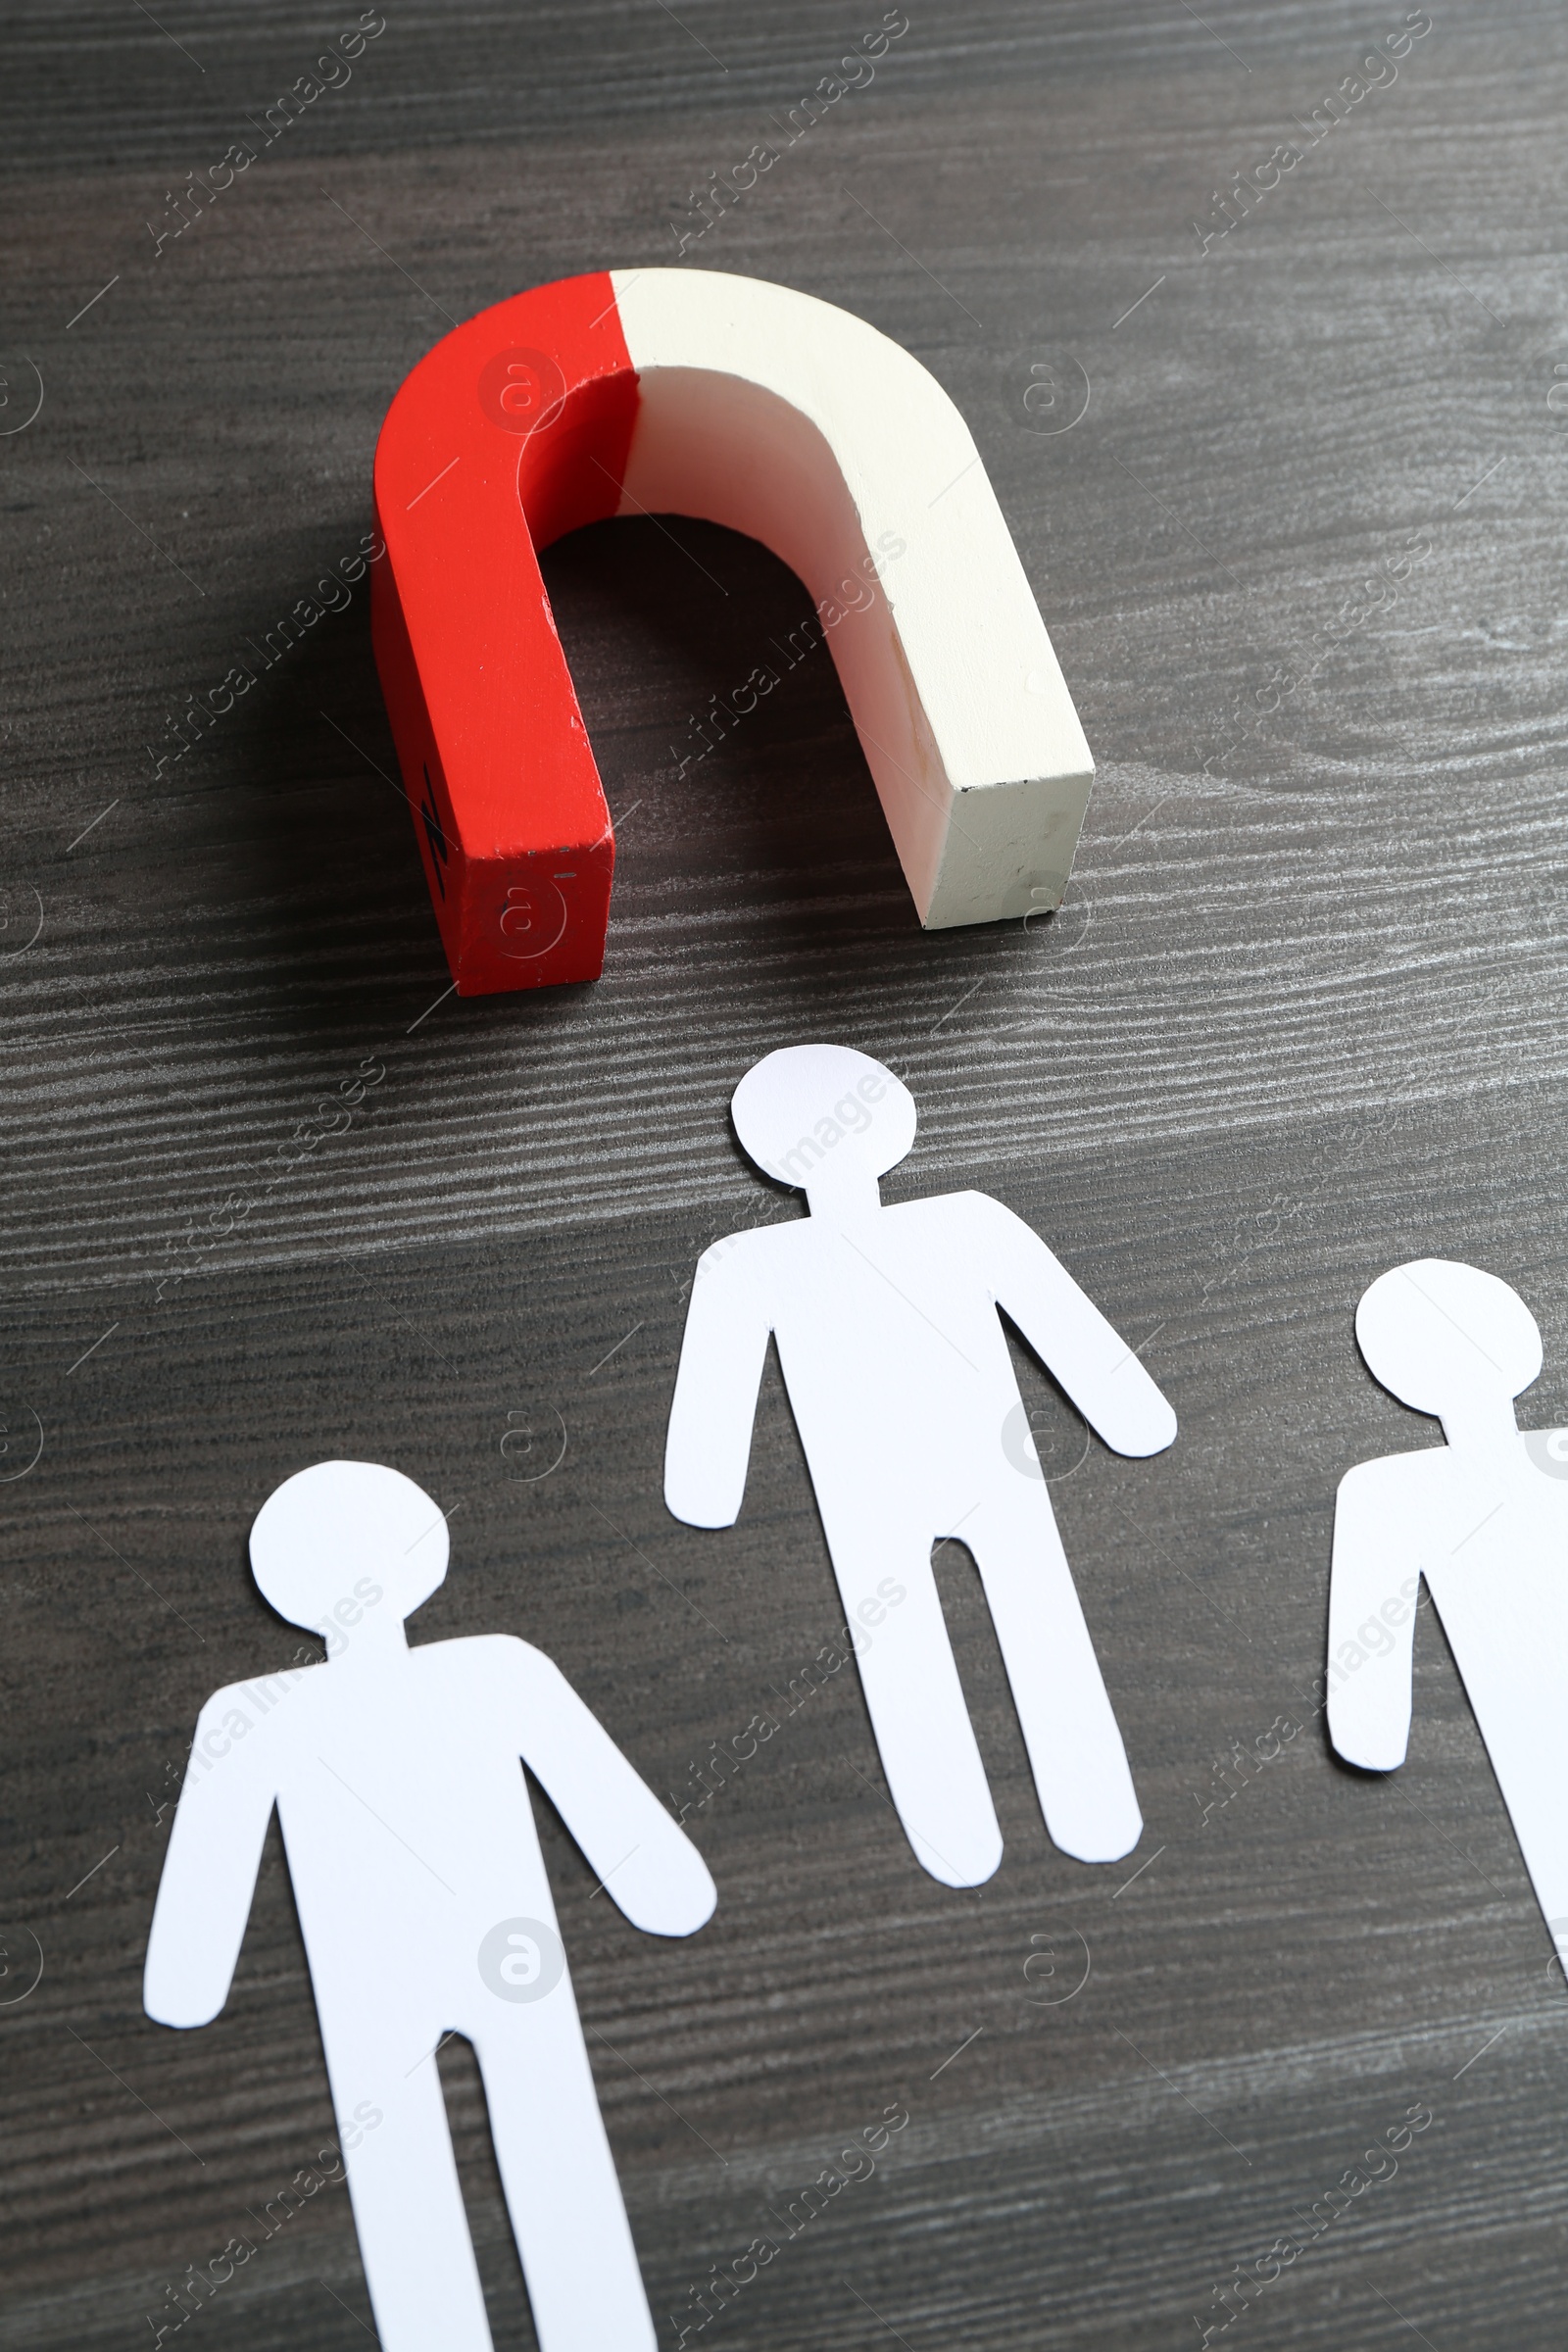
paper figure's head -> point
(1442, 1336)
(811, 1115)
(344, 1539)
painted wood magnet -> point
(669, 391)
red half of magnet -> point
(512, 431)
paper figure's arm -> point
(1072, 1338)
(1372, 1588)
(649, 1866)
(215, 1850)
(709, 1441)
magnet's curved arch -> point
(670, 391)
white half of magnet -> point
(790, 419)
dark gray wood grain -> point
(1300, 1016)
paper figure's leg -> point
(408, 2206)
(559, 2176)
(918, 1711)
(1526, 1754)
(1075, 1750)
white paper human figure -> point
(1484, 1521)
(903, 1393)
(425, 1907)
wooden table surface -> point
(1300, 1018)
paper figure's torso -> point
(405, 1812)
(892, 1351)
(1490, 1538)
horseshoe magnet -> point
(688, 392)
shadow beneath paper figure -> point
(425, 1907)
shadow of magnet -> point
(687, 392)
